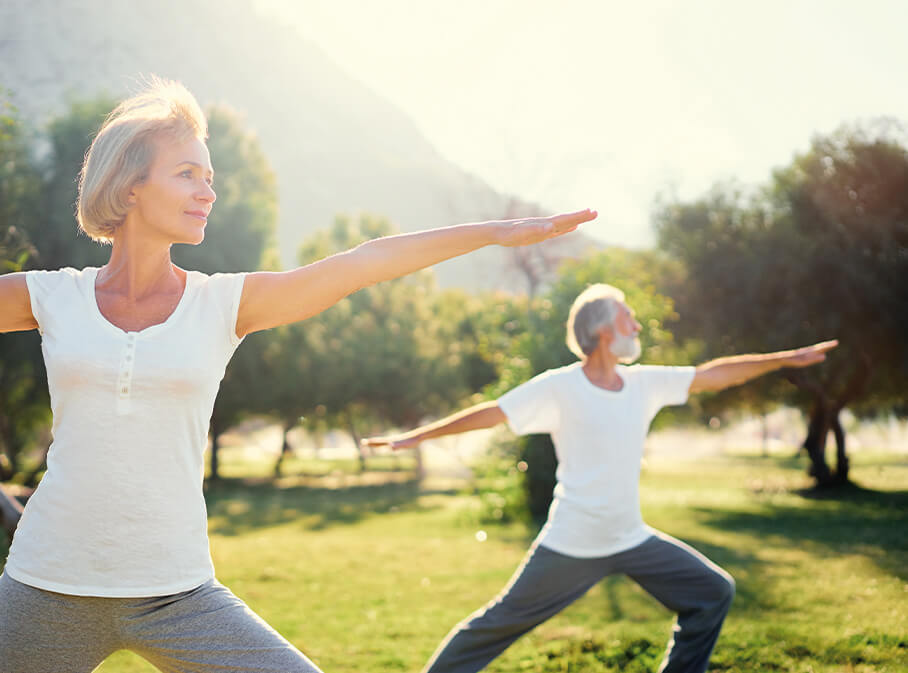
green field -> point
(368, 574)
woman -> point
(112, 551)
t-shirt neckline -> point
(151, 329)
(622, 374)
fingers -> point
(566, 221)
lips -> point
(198, 214)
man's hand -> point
(810, 355)
(732, 371)
(396, 442)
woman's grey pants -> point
(205, 630)
(546, 582)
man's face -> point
(625, 344)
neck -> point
(600, 367)
(137, 265)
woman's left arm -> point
(270, 299)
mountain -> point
(335, 145)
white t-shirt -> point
(120, 511)
(598, 436)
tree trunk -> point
(815, 442)
(842, 465)
(214, 473)
(360, 449)
(285, 450)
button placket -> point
(124, 380)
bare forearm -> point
(737, 369)
(394, 256)
(485, 415)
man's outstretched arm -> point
(731, 371)
(485, 415)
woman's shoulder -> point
(54, 278)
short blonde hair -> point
(122, 152)
(594, 308)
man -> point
(598, 411)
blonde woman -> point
(112, 550)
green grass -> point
(369, 573)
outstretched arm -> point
(485, 415)
(15, 306)
(272, 299)
(731, 371)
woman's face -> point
(174, 201)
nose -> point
(206, 193)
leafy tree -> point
(387, 354)
(23, 394)
(821, 252)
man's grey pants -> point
(203, 630)
(675, 574)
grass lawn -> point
(369, 575)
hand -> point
(536, 229)
(810, 355)
(395, 442)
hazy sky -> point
(605, 104)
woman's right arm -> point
(15, 305)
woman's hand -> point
(536, 229)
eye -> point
(186, 174)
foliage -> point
(819, 253)
(393, 353)
(23, 395)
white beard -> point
(625, 348)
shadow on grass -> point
(237, 507)
(846, 520)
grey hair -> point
(594, 308)
(122, 152)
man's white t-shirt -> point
(598, 436)
(120, 511)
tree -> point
(381, 356)
(821, 252)
(23, 393)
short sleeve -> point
(666, 386)
(43, 288)
(532, 407)
(228, 290)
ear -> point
(606, 335)
(132, 196)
